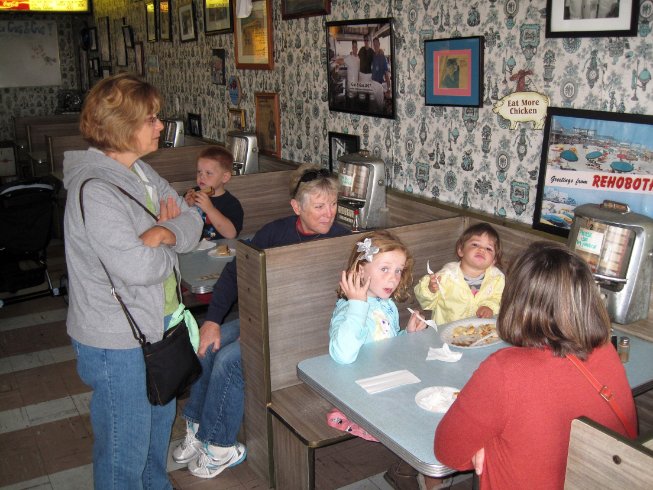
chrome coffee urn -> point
(244, 147)
(618, 246)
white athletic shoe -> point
(190, 448)
(206, 466)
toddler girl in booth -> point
(470, 287)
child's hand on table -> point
(353, 285)
(484, 312)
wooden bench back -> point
(37, 133)
(21, 123)
(57, 145)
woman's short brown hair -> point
(115, 108)
(551, 300)
(220, 155)
(322, 180)
(386, 242)
(480, 229)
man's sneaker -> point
(205, 466)
(190, 448)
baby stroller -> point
(26, 209)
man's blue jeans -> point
(217, 399)
(131, 436)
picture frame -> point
(268, 130)
(362, 82)
(151, 24)
(589, 157)
(253, 38)
(120, 48)
(218, 17)
(187, 23)
(570, 19)
(104, 39)
(341, 144)
(92, 34)
(8, 159)
(106, 72)
(139, 65)
(294, 9)
(165, 20)
(218, 66)
(128, 36)
(194, 124)
(237, 119)
(95, 67)
(453, 71)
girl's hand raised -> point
(415, 323)
(354, 286)
(434, 283)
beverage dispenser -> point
(362, 187)
(244, 147)
(618, 246)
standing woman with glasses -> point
(112, 235)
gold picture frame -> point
(268, 126)
(253, 38)
(237, 119)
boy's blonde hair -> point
(385, 241)
(480, 229)
(220, 155)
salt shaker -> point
(624, 349)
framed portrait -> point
(268, 130)
(150, 21)
(187, 29)
(341, 144)
(104, 38)
(95, 67)
(119, 39)
(293, 9)
(195, 125)
(92, 35)
(253, 38)
(218, 71)
(138, 59)
(589, 157)
(165, 20)
(128, 36)
(578, 18)
(453, 71)
(237, 119)
(360, 67)
(218, 16)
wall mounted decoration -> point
(590, 156)
(104, 38)
(268, 130)
(150, 21)
(253, 38)
(128, 35)
(236, 119)
(7, 159)
(92, 35)
(95, 67)
(360, 67)
(341, 144)
(292, 9)
(591, 19)
(106, 71)
(453, 71)
(218, 16)
(234, 90)
(119, 40)
(195, 125)
(138, 59)
(165, 20)
(218, 67)
(187, 29)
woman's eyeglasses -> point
(152, 120)
(310, 176)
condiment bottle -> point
(624, 349)
(356, 223)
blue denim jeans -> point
(217, 399)
(130, 436)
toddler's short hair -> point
(477, 230)
(220, 155)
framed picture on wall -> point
(236, 119)
(128, 35)
(576, 18)
(360, 71)
(292, 9)
(187, 30)
(253, 38)
(7, 159)
(150, 21)
(591, 156)
(92, 35)
(165, 20)
(104, 38)
(195, 125)
(95, 67)
(453, 71)
(218, 16)
(341, 144)
(218, 66)
(121, 49)
(139, 65)
(268, 130)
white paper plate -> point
(436, 398)
(214, 253)
(464, 341)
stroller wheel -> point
(63, 287)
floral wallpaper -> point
(462, 156)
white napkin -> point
(436, 398)
(443, 354)
(386, 381)
(205, 244)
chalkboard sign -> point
(30, 53)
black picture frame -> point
(570, 21)
(128, 35)
(187, 23)
(195, 125)
(92, 36)
(95, 67)
(139, 61)
(104, 39)
(341, 144)
(218, 19)
(589, 157)
(357, 92)
(151, 24)
(294, 9)
(165, 20)
(119, 40)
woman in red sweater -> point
(511, 421)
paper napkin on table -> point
(205, 244)
(443, 354)
(386, 381)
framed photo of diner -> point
(589, 157)
(187, 22)
(195, 124)
(293, 9)
(341, 144)
(165, 20)
(218, 16)
(360, 71)
(268, 127)
(253, 38)
(577, 18)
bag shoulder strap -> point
(606, 394)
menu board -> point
(45, 5)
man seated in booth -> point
(215, 409)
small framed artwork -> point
(453, 70)
(187, 30)
(268, 131)
(120, 48)
(165, 20)
(104, 38)
(150, 21)
(218, 16)
(95, 67)
(253, 38)
(92, 35)
(341, 144)
(7, 159)
(218, 73)
(577, 18)
(195, 125)
(293, 9)
(138, 59)
(106, 71)
(236, 119)
(589, 157)
(128, 35)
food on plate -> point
(222, 250)
(466, 335)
